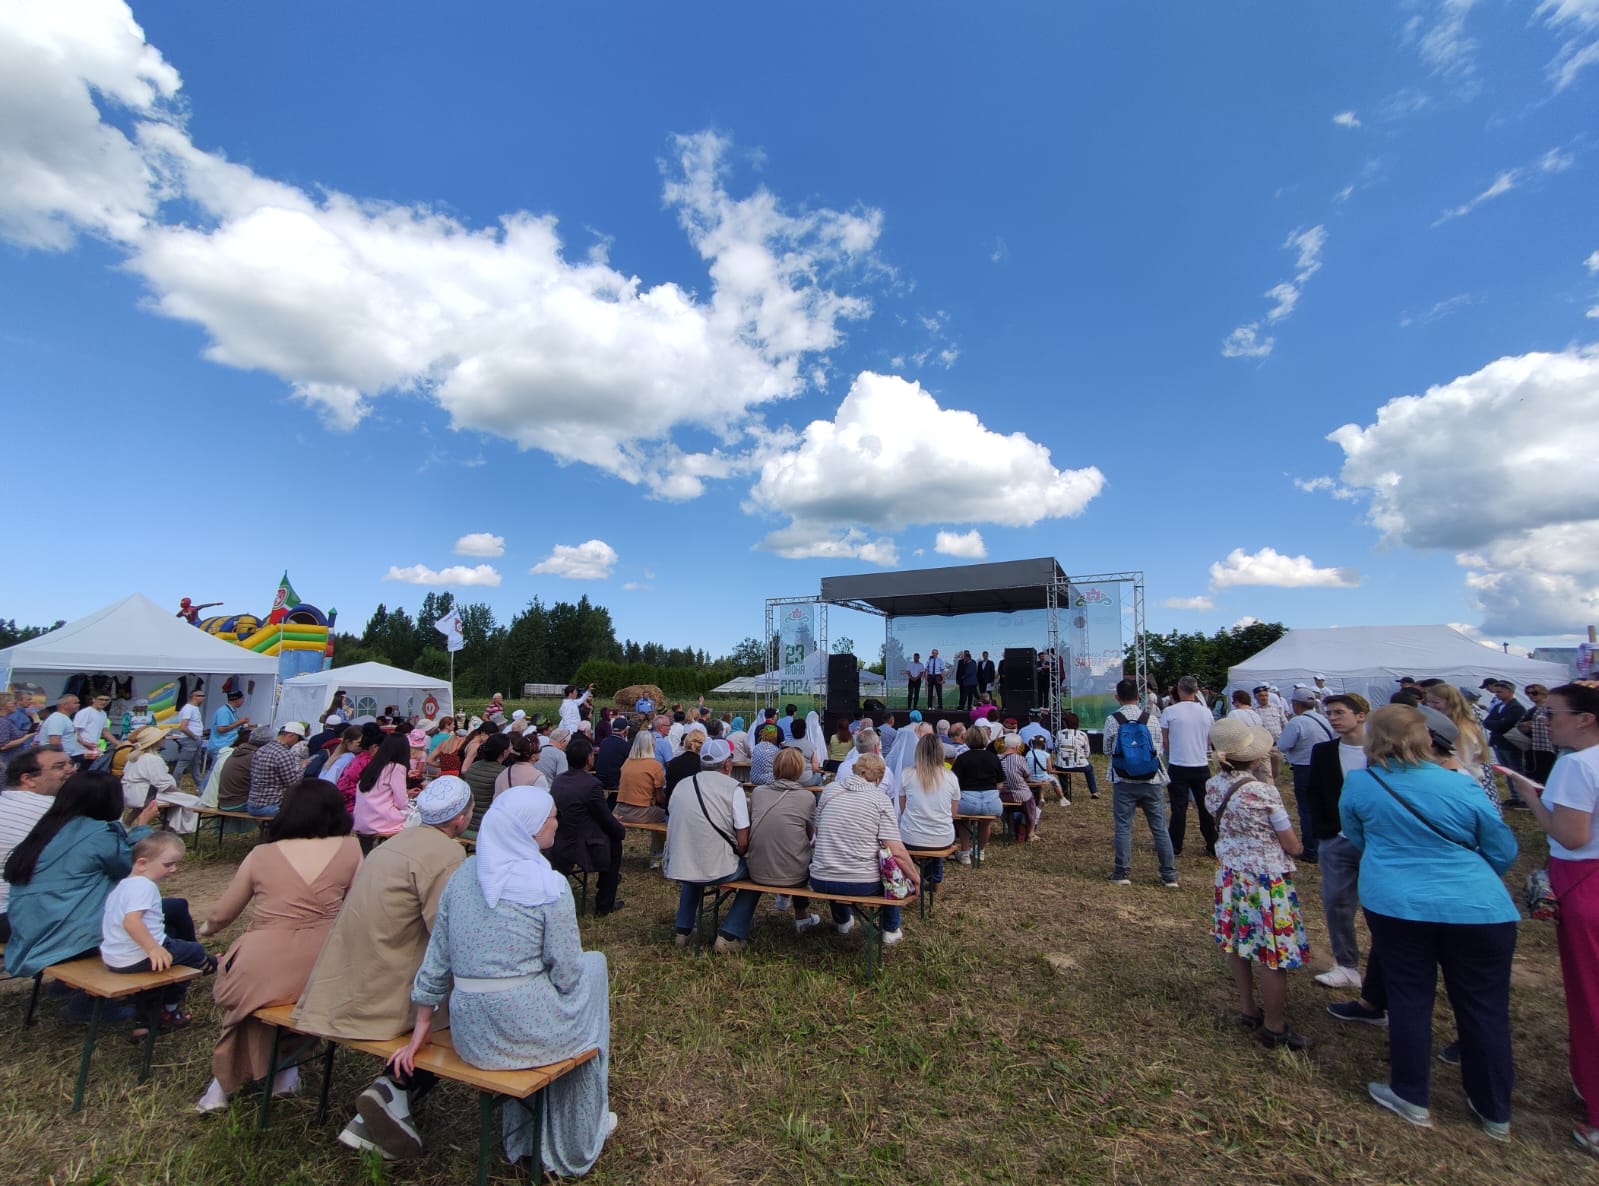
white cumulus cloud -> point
(967, 544)
(1270, 567)
(1200, 603)
(1346, 119)
(480, 543)
(591, 560)
(1530, 544)
(457, 574)
(869, 469)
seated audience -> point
(853, 819)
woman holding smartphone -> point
(1565, 809)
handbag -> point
(1539, 894)
(1516, 739)
(895, 884)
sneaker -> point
(892, 937)
(286, 1082)
(610, 1125)
(1116, 880)
(1284, 1039)
(1355, 1011)
(214, 1099)
(386, 1112)
(783, 902)
(1339, 976)
(1172, 884)
(682, 938)
(844, 928)
(1499, 1130)
(801, 925)
(1450, 1055)
(1586, 1137)
(655, 862)
(1386, 1096)
(963, 858)
(354, 1136)
(726, 945)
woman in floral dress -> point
(1257, 919)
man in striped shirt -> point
(32, 780)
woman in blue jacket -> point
(61, 874)
(1433, 850)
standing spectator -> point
(1539, 759)
(966, 679)
(56, 731)
(1307, 729)
(1256, 916)
(1433, 852)
(1243, 709)
(1504, 714)
(571, 707)
(935, 679)
(1132, 790)
(1073, 755)
(913, 680)
(32, 780)
(190, 735)
(93, 727)
(1185, 730)
(227, 726)
(587, 835)
(1273, 714)
(1330, 763)
(16, 730)
(1565, 810)
(273, 770)
(985, 674)
(1472, 752)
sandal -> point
(1586, 1137)
(209, 967)
(174, 1019)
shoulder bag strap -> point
(714, 827)
(1221, 808)
(1432, 827)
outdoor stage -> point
(1018, 609)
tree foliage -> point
(11, 634)
(1204, 656)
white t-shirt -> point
(190, 721)
(59, 724)
(1574, 782)
(133, 894)
(89, 724)
(913, 670)
(927, 821)
(1187, 727)
(569, 711)
(1247, 715)
(1351, 757)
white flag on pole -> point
(450, 626)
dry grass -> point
(1044, 1028)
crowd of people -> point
(367, 911)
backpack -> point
(1134, 758)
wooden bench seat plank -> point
(643, 826)
(90, 975)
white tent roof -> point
(772, 681)
(306, 697)
(133, 636)
(1370, 659)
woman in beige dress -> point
(295, 885)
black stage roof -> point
(962, 589)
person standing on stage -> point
(913, 681)
(985, 674)
(935, 679)
(966, 679)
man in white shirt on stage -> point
(913, 680)
(935, 679)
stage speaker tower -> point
(843, 684)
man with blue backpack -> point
(1138, 781)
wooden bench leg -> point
(929, 889)
(89, 1040)
(872, 922)
(33, 999)
(327, 1083)
(272, 1073)
(485, 1135)
(149, 1046)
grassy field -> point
(1043, 1028)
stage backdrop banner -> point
(1091, 636)
(796, 633)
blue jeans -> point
(180, 941)
(1126, 799)
(841, 912)
(980, 803)
(1340, 897)
(933, 871)
(688, 903)
(1064, 773)
(266, 811)
(1302, 810)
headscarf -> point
(903, 755)
(738, 725)
(814, 735)
(509, 863)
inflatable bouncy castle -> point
(296, 632)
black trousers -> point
(935, 691)
(1475, 959)
(968, 696)
(1186, 781)
(913, 692)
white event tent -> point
(1369, 660)
(371, 686)
(772, 681)
(136, 638)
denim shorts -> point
(980, 803)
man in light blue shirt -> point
(227, 724)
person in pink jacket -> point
(381, 802)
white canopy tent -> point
(772, 681)
(372, 687)
(135, 638)
(1369, 660)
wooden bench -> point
(972, 822)
(438, 1056)
(651, 829)
(222, 815)
(91, 977)
(924, 858)
(868, 907)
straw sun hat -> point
(1239, 743)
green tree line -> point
(1204, 656)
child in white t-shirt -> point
(1038, 770)
(137, 925)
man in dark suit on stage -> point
(985, 673)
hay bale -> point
(629, 696)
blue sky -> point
(1293, 310)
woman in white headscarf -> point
(525, 993)
(902, 756)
